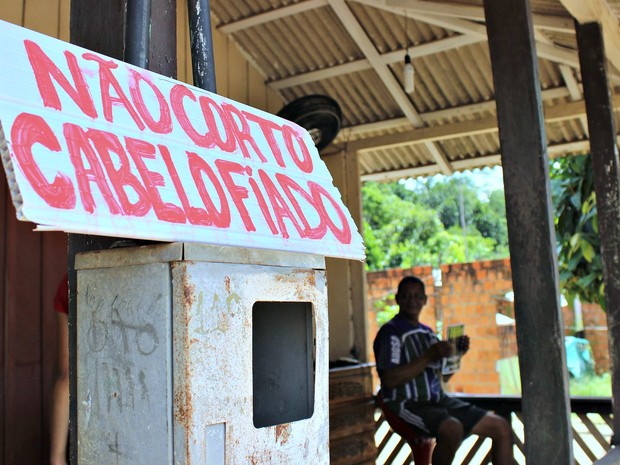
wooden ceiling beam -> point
(553, 113)
(544, 50)
(476, 13)
(359, 36)
(469, 12)
(321, 74)
(600, 11)
(418, 51)
(427, 134)
(278, 13)
(575, 90)
(554, 150)
(462, 111)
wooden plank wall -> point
(32, 264)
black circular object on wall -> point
(320, 115)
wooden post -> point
(98, 26)
(540, 332)
(606, 185)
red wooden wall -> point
(32, 264)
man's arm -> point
(60, 398)
(402, 374)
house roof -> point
(353, 51)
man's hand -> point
(440, 350)
(462, 344)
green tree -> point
(490, 219)
(576, 225)
(400, 229)
(421, 224)
(445, 196)
(395, 230)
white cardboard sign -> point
(93, 145)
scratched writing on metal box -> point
(116, 317)
(118, 336)
(215, 318)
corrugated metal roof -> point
(353, 51)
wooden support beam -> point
(606, 172)
(96, 25)
(272, 15)
(555, 150)
(163, 44)
(421, 11)
(419, 51)
(476, 13)
(474, 127)
(427, 134)
(540, 332)
(600, 11)
(463, 111)
(362, 40)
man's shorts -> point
(426, 417)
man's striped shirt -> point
(399, 342)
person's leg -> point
(499, 430)
(448, 439)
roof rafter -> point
(272, 15)
(553, 113)
(462, 111)
(470, 12)
(429, 48)
(476, 13)
(587, 11)
(470, 163)
(544, 50)
(393, 86)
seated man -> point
(408, 357)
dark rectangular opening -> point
(282, 362)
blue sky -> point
(485, 179)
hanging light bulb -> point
(409, 72)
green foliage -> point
(395, 230)
(421, 224)
(592, 386)
(386, 309)
(576, 225)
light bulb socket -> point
(409, 75)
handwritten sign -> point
(93, 145)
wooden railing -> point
(590, 419)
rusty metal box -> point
(199, 354)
